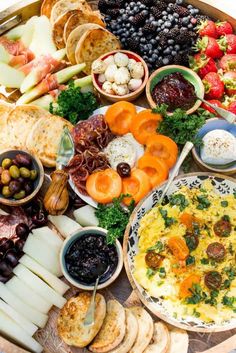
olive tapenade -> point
(89, 254)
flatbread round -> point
(44, 138)
(93, 44)
(80, 18)
(70, 321)
(113, 329)
(20, 123)
(179, 341)
(58, 29)
(161, 339)
(5, 110)
(62, 6)
(47, 6)
(74, 38)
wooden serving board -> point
(121, 288)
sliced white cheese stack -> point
(65, 225)
(86, 216)
(11, 329)
(50, 237)
(219, 147)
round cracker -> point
(80, 18)
(93, 44)
(71, 318)
(62, 6)
(47, 6)
(5, 111)
(74, 38)
(58, 29)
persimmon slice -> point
(187, 284)
(155, 168)
(137, 185)
(145, 124)
(178, 247)
(104, 185)
(162, 147)
(119, 117)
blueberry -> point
(165, 61)
(122, 11)
(190, 7)
(143, 40)
(168, 24)
(164, 18)
(196, 11)
(170, 41)
(157, 38)
(155, 56)
(151, 60)
(173, 53)
(170, 17)
(190, 26)
(144, 12)
(185, 20)
(132, 4)
(165, 30)
(128, 25)
(128, 8)
(164, 13)
(136, 9)
(153, 41)
(176, 20)
(179, 2)
(177, 47)
(167, 51)
(152, 18)
(176, 15)
(156, 51)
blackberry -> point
(139, 19)
(181, 38)
(148, 28)
(183, 57)
(173, 33)
(158, 63)
(102, 6)
(161, 5)
(111, 3)
(120, 3)
(180, 10)
(163, 39)
(132, 44)
(157, 13)
(146, 2)
(113, 12)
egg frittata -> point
(187, 254)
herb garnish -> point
(74, 105)
(168, 220)
(204, 261)
(203, 201)
(114, 217)
(212, 299)
(196, 313)
(179, 200)
(197, 295)
(159, 247)
(224, 203)
(229, 301)
(190, 260)
(150, 272)
(162, 272)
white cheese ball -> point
(98, 67)
(107, 87)
(101, 78)
(134, 84)
(120, 90)
(121, 59)
(137, 70)
(110, 72)
(131, 63)
(122, 76)
(109, 60)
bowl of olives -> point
(21, 177)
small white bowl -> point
(67, 243)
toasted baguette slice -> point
(58, 29)
(113, 329)
(62, 6)
(161, 339)
(145, 329)
(70, 321)
(131, 332)
(47, 6)
(5, 110)
(179, 341)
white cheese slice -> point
(39, 286)
(54, 282)
(43, 253)
(27, 295)
(120, 150)
(219, 147)
(86, 216)
(12, 330)
(21, 320)
(65, 225)
(31, 314)
(49, 237)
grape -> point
(11, 258)
(5, 269)
(6, 244)
(22, 230)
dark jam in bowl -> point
(86, 254)
(175, 91)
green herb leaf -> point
(159, 247)
(204, 261)
(168, 220)
(162, 272)
(204, 203)
(224, 203)
(150, 272)
(229, 302)
(190, 260)
(197, 295)
(179, 200)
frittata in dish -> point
(187, 250)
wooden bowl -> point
(188, 74)
(36, 164)
(212, 124)
(127, 97)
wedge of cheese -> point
(28, 296)
(54, 282)
(43, 253)
(65, 225)
(11, 329)
(31, 314)
(39, 286)
(49, 237)
(21, 320)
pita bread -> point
(93, 44)
(80, 18)
(179, 341)
(74, 38)
(20, 123)
(58, 29)
(62, 6)
(145, 329)
(44, 138)
(113, 329)
(161, 339)
(47, 6)
(5, 110)
(70, 321)
(131, 332)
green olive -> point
(5, 177)
(6, 191)
(25, 172)
(19, 195)
(14, 172)
(33, 174)
(6, 163)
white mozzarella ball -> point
(121, 59)
(109, 60)
(120, 90)
(107, 87)
(131, 63)
(137, 70)
(101, 78)
(110, 72)
(122, 76)
(98, 67)
(134, 84)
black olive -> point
(11, 258)
(23, 160)
(29, 187)
(22, 230)
(14, 186)
(19, 244)
(5, 269)
(6, 244)
(124, 170)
